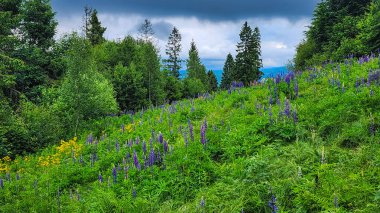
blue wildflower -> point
(272, 204)
(203, 135)
(114, 174)
(100, 178)
(136, 160)
(160, 138)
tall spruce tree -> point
(248, 59)
(212, 81)
(95, 30)
(173, 49)
(146, 32)
(228, 72)
(86, 21)
(38, 26)
(195, 69)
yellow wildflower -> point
(7, 159)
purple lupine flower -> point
(122, 128)
(278, 79)
(151, 157)
(357, 84)
(160, 138)
(205, 124)
(287, 108)
(100, 178)
(144, 147)
(288, 78)
(166, 148)
(191, 130)
(90, 139)
(117, 146)
(295, 117)
(126, 172)
(1, 183)
(134, 193)
(272, 204)
(202, 203)
(185, 138)
(114, 174)
(136, 160)
(137, 141)
(270, 114)
(128, 156)
(203, 135)
(158, 156)
(17, 176)
(270, 100)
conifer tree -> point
(195, 69)
(95, 30)
(212, 81)
(248, 59)
(86, 21)
(228, 72)
(146, 32)
(173, 49)
(38, 25)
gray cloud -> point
(216, 10)
(162, 29)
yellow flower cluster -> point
(69, 147)
(50, 160)
(66, 148)
(4, 164)
(129, 128)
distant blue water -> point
(268, 72)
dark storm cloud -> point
(204, 9)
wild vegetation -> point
(340, 29)
(90, 125)
(304, 142)
(52, 89)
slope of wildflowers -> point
(305, 142)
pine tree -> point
(173, 49)
(38, 26)
(212, 81)
(146, 32)
(195, 69)
(86, 21)
(228, 72)
(248, 59)
(95, 30)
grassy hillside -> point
(302, 143)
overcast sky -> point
(213, 24)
